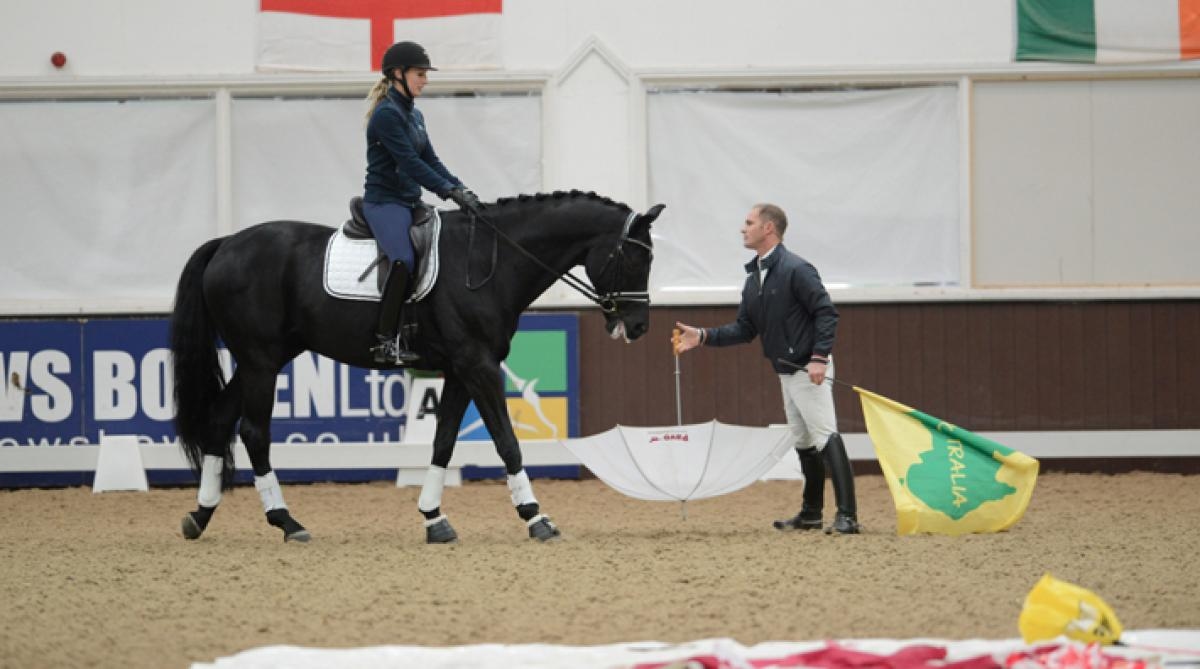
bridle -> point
(609, 302)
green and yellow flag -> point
(944, 479)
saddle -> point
(355, 266)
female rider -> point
(400, 160)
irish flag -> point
(352, 35)
(944, 479)
(1108, 31)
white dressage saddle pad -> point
(347, 259)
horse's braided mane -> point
(559, 195)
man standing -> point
(786, 305)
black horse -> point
(260, 291)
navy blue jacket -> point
(400, 157)
(791, 312)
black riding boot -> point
(387, 348)
(810, 516)
(846, 520)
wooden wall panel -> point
(1119, 363)
(1141, 379)
(1048, 372)
(1008, 373)
(986, 366)
(1163, 364)
(1097, 372)
(1187, 361)
(1026, 361)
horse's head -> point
(620, 271)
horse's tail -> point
(199, 381)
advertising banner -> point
(67, 383)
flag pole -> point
(802, 368)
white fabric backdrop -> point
(869, 180)
(103, 199)
(103, 202)
(305, 158)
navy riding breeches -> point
(390, 222)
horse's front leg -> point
(486, 386)
(450, 412)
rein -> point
(608, 302)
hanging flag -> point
(1108, 31)
(352, 35)
(944, 479)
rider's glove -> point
(465, 199)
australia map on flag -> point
(352, 35)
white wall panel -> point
(1086, 183)
(1147, 161)
(176, 37)
(129, 37)
(1032, 184)
(102, 201)
(304, 159)
(868, 180)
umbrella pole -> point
(678, 402)
(675, 335)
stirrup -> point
(388, 351)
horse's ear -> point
(653, 213)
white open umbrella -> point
(681, 462)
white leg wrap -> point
(210, 481)
(431, 490)
(531, 521)
(269, 491)
(522, 491)
(434, 521)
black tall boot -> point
(846, 520)
(810, 516)
(387, 349)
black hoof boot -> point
(804, 520)
(844, 524)
(195, 522)
(292, 531)
(543, 530)
(440, 532)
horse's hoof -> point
(543, 530)
(191, 529)
(441, 533)
(299, 536)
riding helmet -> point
(404, 55)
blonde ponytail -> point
(375, 97)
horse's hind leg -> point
(258, 398)
(216, 449)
